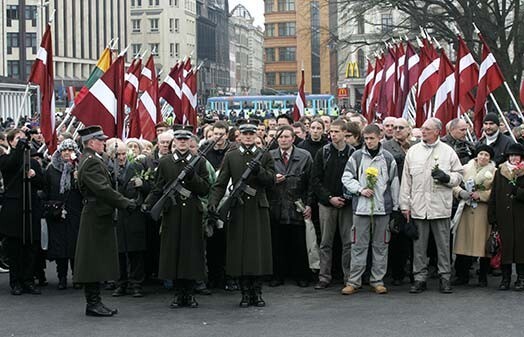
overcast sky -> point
(255, 7)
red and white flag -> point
(189, 99)
(445, 93)
(466, 78)
(300, 101)
(375, 89)
(370, 77)
(103, 104)
(427, 81)
(408, 78)
(386, 102)
(522, 93)
(42, 74)
(171, 91)
(490, 78)
(131, 97)
(148, 107)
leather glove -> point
(212, 214)
(190, 172)
(132, 205)
(440, 175)
(254, 165)
(464, 195)
(144, 208)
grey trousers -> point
(330, 219)
(441, 233)
(359, 249)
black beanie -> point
(492, 117)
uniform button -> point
(248, 198)
(183, 204)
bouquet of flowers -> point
(514, 173)
(371, 182)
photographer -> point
(20, 212)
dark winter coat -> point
(63, 231)
(296, 186)
(499, 147)
(248, 234)
(506, 209)
(312, 146)
(182, 234)
(96, 256)
(12, 215)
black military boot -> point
(121, 290)
(519, 284)
(246, 296)
(506, 277)
(179, 299)
(94, 306)
(256, 295)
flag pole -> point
(24, 99)
(514, 100)
(502, 116)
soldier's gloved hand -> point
(440, 175)
(464, 195)
(144, 208)
(137, 182)
(254, 165)
(212, 215)
(190, 172)
(132, 205)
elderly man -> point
(389, 132)
(456, 138)
(431, 170)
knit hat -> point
(485, 148)
(68, 144)
(492, 117)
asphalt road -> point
(291, 311)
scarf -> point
(66, 168)
(492, 139)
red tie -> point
(285, 159)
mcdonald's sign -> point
(352, 70)
(342, 92)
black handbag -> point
(492, 245)
(54, 210)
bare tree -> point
(500, 21)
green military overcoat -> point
(182, 235)
(96, 257)
(248, 234)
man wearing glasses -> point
(456, 138)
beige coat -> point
(418, 192)
(473, 229)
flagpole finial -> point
(123, 52)
(477, 30)
(144, 54)
(52, 17)
(110, 43)
(302, 66)
(420, 44)
(422, 33)
(200, 65)
(113, 44)
(437, 43)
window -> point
(176, 25)
(173, 3)
(30, 12)
(288, 78)
(28, 66)
(177, 49)
(11, 14)
(270, 54)
(361, 25)
(136, 25)
(268, 6)
(13, 69)
(12, 42)
(138, 3)
(270, 29)
(154, 48)
(136, 48)
(287, 53)
(286, 29)
(153, 23)
(154, 2)
(31, 41)
(271, 79)
(387, 23)
(286, 5)
(171, 24)
(174, 49)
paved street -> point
(291, 311)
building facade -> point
(166, 27)
(246, 47)
(213, 48)
(300, 34)
(80, 30)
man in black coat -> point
(20, 212)
(456, 138)
(494, 138)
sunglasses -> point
(399, 127)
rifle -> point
(241, 187)
(176, 185)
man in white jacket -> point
(372, 206)
(431, 170)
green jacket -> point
(248, 233)
(96, 257)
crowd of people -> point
(406, 203)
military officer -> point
(96, 257)
(248, 233)
(182, 236)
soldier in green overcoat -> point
(182, 235)
(248, 233)
(96, 257)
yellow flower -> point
(372, 171)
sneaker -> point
(349, 290)
(380, 289)
(3, 270)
